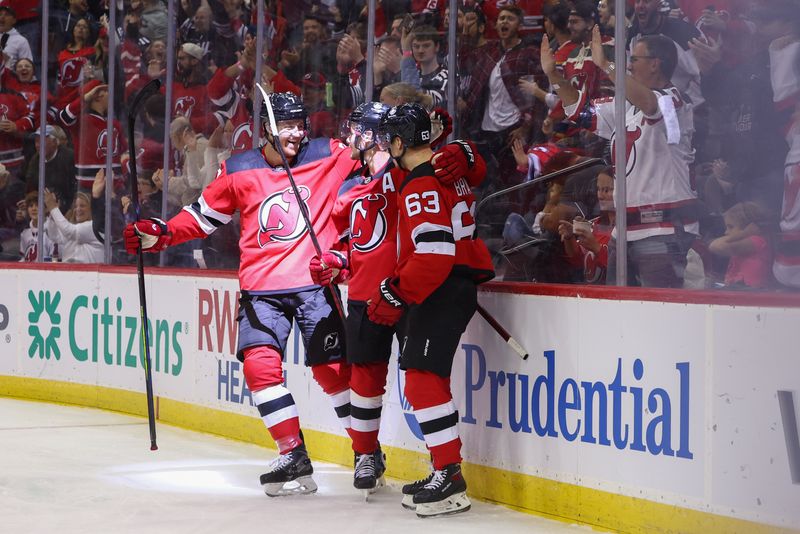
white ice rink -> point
(66, 469)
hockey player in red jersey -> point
(365, 216)
(433, 295)
(275, 285)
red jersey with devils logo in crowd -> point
(275, 246)
(90, 137)
(437, 235)
(365, 215)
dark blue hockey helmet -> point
(364, 123)
(410, 122)
(286, 107)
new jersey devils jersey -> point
(274, 245)
(437, 235)
(658, 187)
(90, 137)
(365, 215)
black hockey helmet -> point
(409, 122)
(285, 106)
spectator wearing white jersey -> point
(73, 232)
(662, 209)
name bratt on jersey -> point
(280, 218)
(368, 222)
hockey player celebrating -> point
(275, 286)
(434, 291)
(365, 216)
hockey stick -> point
(502, 332)
(273, 126)
(151, 88)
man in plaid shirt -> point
(496, 106)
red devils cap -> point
(89, 86)
(315, 80)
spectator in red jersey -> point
(86, 120)
(27, 85)
(190, 96)
(71, 62)
(586, 243)
(15, 120)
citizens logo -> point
(44, 304)
(96, 331)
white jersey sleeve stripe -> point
(432, 238)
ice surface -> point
(66, 469)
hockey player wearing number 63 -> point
(365, 216)
(431, 297)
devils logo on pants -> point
(279, 216)
(368, 222)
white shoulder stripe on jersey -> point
(208, 218)
(432, 238)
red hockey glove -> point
(386, 306)
(457, 160)
(441, 116)
(332, 267)
(152, 234)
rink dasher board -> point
(708, 373)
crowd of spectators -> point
(712, 123)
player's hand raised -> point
(152, 234)
(457, 160)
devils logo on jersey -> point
(102, 145)
(71, 73)
(279, 217)
(630, 148)
(368, 222)
(184, 106)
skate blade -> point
(381, 482)
(300, 486)
(408, 502)
(455, 504)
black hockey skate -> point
(444, 494)
(409, 490)
(290, 474)
(368, 471)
